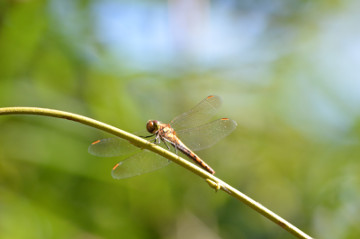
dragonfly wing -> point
(143, 162)
(201, 113)
(206, 135)
(112, 147)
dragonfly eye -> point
(152, 126)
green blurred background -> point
(287, 71)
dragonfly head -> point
(152, 126)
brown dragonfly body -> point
(166, 133)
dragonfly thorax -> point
(152, 126)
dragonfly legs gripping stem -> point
(157, 141)
(167, 146)
(167, 141)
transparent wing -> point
(135, 161)
(206, 135)
(201, 113)
(143, 162)
(112, 147)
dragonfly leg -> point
(167, 146)
(148, 136)
(157, 139)
(175, 146)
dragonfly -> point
(188, 132)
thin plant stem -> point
(213, 181)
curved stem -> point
(141, 143)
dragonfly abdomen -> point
(196, 158)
